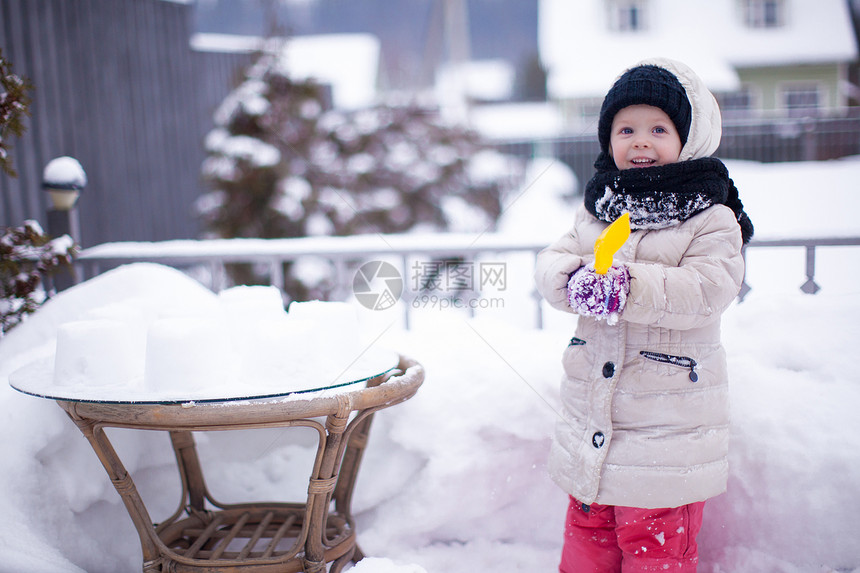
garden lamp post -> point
(64, 179)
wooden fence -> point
(118, 87)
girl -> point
(644, 435)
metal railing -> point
(207, 260)
(809, 244)
(422, 255)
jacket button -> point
(597, 439)
(608, 370)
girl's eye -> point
(626, 130)
(660, 130)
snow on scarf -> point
(663, 196)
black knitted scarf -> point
(663, 196)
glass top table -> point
(205, 535)
(38, 379)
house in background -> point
(762, 58)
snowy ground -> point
(454, 479)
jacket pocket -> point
(680, 361)
(576, 359)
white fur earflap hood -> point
(706, 122)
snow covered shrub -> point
(14, 105)
(26, 255)
(282, 164)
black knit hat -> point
(650, 85)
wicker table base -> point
(204, 535)
(253, 534)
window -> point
(740, 103)
(764, 13)
(802, 99)
(590, 111)
(627, 15)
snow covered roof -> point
(487, 80)
(583, 55)
(229, 43)
(513, 121)
(347, 62)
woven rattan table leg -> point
(350, 464)
(338, 564)
(153, 566)
(190, 470)
(348, 474)
(322, 485)
(122, 482)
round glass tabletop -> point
(39, 379)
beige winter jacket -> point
(644, 419)
(636, 429)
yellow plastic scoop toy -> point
(609, 241)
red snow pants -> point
(615, 539)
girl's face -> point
(643, 136)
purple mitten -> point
(599, 296)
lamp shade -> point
(64, 179)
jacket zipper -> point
(683, 361)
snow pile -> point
(383, 565)
(240, 343)
(799, 199)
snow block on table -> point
(98, 352)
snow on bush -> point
(26, 254)
(282, 163)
